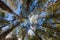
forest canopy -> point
(29, 19)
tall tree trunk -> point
(6, 8)
(3, 34)
(37, 35)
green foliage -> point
(50, 27)
(53, 7)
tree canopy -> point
(29, 20)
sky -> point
(18, 10)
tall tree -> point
(40, 16)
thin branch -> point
(36, 35)
(3, 34)
(4, 25)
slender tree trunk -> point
(6, 8)
(3, 35)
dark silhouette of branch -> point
(4, 25)
(28, 4)
(36, 35)
(3, 34)
(6, 8)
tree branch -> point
(3, 34)
(6, 8)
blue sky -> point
(31, 8)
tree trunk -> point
(3, 34)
